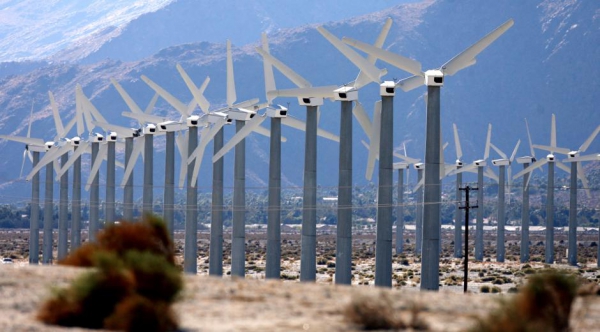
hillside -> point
(545, 64)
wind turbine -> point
(573, 202)
(33, 147)
(574, 158)
(525, 161)
(551, 161)
(346, 94)
(502, 164)
(480, 165)
(434, 79)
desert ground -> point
(253, 304)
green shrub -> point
(132, 288)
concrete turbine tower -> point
(434, 79)
(502, 164)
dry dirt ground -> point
(254, 304)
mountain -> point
(545, 64)
(33, 30)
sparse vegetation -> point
(543, 304)
(378, 313)
(132, 288)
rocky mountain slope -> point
(545, 64)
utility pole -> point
(467, 206)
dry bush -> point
(132, 288)
(378, 313)
(149, 235)
(543, 304)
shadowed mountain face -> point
(545, 64)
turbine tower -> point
(434, 79)
(502, 164)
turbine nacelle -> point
(346, 93)
(215, 117)
(501, 162)
(526, 160)
(97, 138)
(387, 89)
(310, 101)
(419, 166)
(550, 158)
(241, 114)
(112, 137)
(458, 163)
(150, 129)
(573, 154)
(75, 141)
(480, 163)
(279, 112)
(400, 165)
(49, 145)
(171, 126)
(434, 78)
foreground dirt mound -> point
(214, 304)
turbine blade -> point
(96, 166)
(589, 140)
(138, 147)
(207, 136)
(362, 79)
(362, 118)
(514, 153)
(49, 157)
(151, 104)
(553, 132)
(26, 140)
(396, 60)
(419, 184)
(126, 97)
(231, 95)
(30, 120)
(374, 141)
(298, 80)
(23, 163)
(182, 146)
(498, 151)
(250, 126)
(410, 83)
(365, 66)
(267, 68)
(178, 105)
(60, 130)
(491, 174)
(459, 153)
(312, 92)
(552, 149)
(584, 181)
(563, 167)
(488, 140)
(531, 168)
(78, 152)
(198, 95)
(468, 56)
(529, 138)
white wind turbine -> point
(434, 79)
(502, 164)
(33, 147)
(551, 161)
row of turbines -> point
(190, 135)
